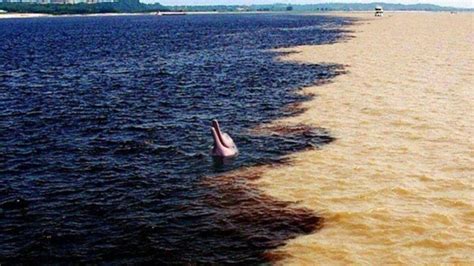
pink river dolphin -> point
(224, 146)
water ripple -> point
(104, 136)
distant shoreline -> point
(40, 15)
(43, 15)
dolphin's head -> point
(224, 146)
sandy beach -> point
(22, 15)
(397, 185)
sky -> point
(453, 3)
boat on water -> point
(379, 11)
(175, 13)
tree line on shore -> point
(122, 6)
(134, 6)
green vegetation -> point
(123, 6)
(134, 6)
(316, 7)
(370, 7)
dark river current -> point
(105, 136)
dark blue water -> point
(105, 136)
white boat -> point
(378, 11)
